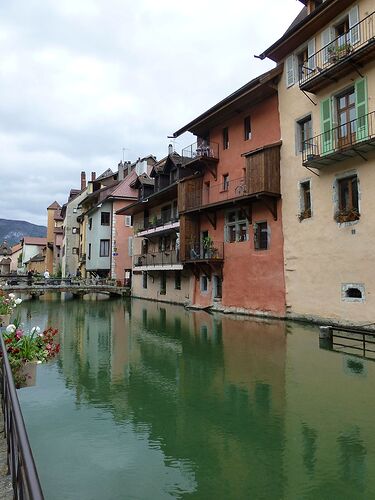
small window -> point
(75, 251)
(89, 254)
(177, 280)
(75, 230)
(348, 206)
(304, 135)
(247, 128)
(74, 210)
(128, 220)
(225, 182)
(90, 223)
(261, 236)
(353, 292)
(104, 248)
(105, 218)
(144, 279)
(225, 138)
(302, 61)
(163, 283)
(305, 200)
(236, 226)
(218, 287)
(204, 283)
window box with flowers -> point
(347, 215)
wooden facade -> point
(263, 171)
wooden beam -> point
(211, 218)
(271, 204)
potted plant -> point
(26, 349)
(347, 215)
(337, 52)
(305, 214)
(208, 246)
(7, 305)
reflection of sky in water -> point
(152, 401)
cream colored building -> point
(327, 114)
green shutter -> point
(327, 132)
(361, 109)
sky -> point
(84, 83)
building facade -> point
(230, 208)
(327, 115)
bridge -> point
(78, 287)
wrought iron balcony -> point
(198, 251)
(340, 56)
(350, 139)
(202, 150)
(158, 260)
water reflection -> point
(226, 407)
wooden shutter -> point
(311, 55)
(326, 119)
(326, 39)
(290, 71)
(361, 108)
(130, 246)
(353, 25)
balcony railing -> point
(202, 150)
(340, 143)
(355, 46)
(165, 258)
(197, 251)
(156, 225)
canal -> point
(150, 401)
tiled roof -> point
(301, 16)
(16, 247)
(123, 189)
(32, 240)
(54, 206)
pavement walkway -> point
(6, 490)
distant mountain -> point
(12, 231)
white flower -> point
(12, 296)
(36, 330)
(18, 301)
(10, 328)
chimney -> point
(121, 171)
(170, 149)
(83, 181)
(93, 176)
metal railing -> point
(21, 465)
(341, 47)
(15, 282)
(339, 138)
(155, 224)
(216, 193)
(200, 149)
(164, 258)
(199, 251)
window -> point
(104, 248)
(128, 220)
(163, 283)
(247, 128)
(261, 236)
(217, 287)
(225, 138)
(75, 250)
(302, 61)
(204, 283)
(353, 292)
(75, 230)
(90, 223)
(105, 218)
(348, 205)
(177, 280)
(74, 210)
(144, 279)
(236, 227)
(166, 213)
(305, 200)
(225, 182)
(346, 117)
(89, 255)
(304, 134)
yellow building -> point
(327, 115)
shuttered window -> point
(326, 118)
(361, 109)
(290, 71)
(353, 25)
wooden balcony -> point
(201, 154)
(347, 52)
(262, 179)
(354, 138)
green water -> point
(151, 401)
